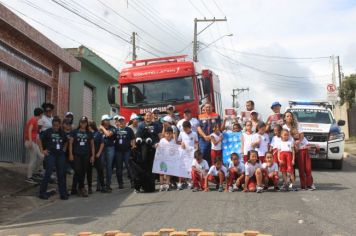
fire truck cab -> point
(158, 82)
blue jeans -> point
(109, 155)
(122, 157)
(51, 161)
(205, 148)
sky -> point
(280, 49)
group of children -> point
(263, 157)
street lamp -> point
(208, 45)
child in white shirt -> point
(200, 169)
(271, 172)
(216, 140)
(286, 158)
(253, 173)
(261, 141)
(166, 140)
(217, 174)
(236, 173)
(246, 140)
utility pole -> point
(333, 75)
(195, 39)
(339, 70)
(238, 92)
(133, 39)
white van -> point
(321, 130)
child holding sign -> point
(167, 139)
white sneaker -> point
(190, 185)
(259, 189)
(235, 188)
(179, 186)
(312, 188)
(231, 189)
(161, 188)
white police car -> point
(321, 130)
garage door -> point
(15, 109)
(88, 102)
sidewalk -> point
(350, 148)
(17, 196)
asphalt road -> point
(331, 210)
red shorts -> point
(214, 154)
(275, 156)
(215, 179)
(287, 166)
(252, 183)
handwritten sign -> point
(171, 159)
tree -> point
(347, 90)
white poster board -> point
(171, 159)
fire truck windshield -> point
(158, 91)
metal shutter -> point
(12, 107)
(88, 102)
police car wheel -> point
(337, 164)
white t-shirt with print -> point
(240, 167)
(285, 146)
(216, 137)
(304, 143)
(247, 139)
(270, 169)
(263, 147)
(275, 141)
(194, 122)
(250, 169)
(164, 141)
(214, 172)
(188, 139)
(45, 122)
(203, 165)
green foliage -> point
(347, 90)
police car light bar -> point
(323, 104)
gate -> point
(18, 98)
(351, 114)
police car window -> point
(312, 116)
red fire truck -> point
(158, 82)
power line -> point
(135, 25)
(151, 14)
(99, 26)
(197, 9)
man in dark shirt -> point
(53, 145)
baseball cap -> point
(275, 104)
(187, 110)
(170, 106)
(121, 118)
(83, 118)
(116, 117)
(69, 113)
(105, 117)
(168, 119)
(254, 111)
(134, 116)
(155, 109)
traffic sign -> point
(331, 93)
(331, 88)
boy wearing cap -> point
(276, 118)
(109, 150)
(124, 141)
(134, 120)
